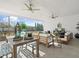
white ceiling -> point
(58, 7)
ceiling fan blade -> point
(29, 10)
(54, 17)
(35, 9)
(30, 7)
(26, 5)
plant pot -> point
(77, 35)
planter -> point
(77, 35)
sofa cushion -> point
(64, 39)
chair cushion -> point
(62, 34)
(5, 48)
(23, 34)
(64, 39)
(1, 42)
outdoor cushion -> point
(5, 49)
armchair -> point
(5, 48)
(67, 37)
(64, 37)
(46, 38)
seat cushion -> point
(1, 42)
(64, 39)
(62, 34)
(5, 48)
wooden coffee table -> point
(22, 42)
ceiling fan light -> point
(53, 17)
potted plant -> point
(77, 34)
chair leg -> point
(53, 45)
(33, 51)
(47, 44)
(26, 46)
(60, 44)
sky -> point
(14, 20)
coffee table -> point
(15, 44)
(22, 42)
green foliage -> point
(55, 32)
(59, 25)
(23, 26)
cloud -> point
(13, 19)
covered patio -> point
(39, 28)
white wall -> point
(68, 22)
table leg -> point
(14, 51)
(37, 48)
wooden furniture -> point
(67, 38)
(35, 35)
(22, 42)
(5, 47)
(45, 39)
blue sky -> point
(14, 20)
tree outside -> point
(38, 27)
(23, 26)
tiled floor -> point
(67, 51)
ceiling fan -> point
(53, 16)
(30, 6)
